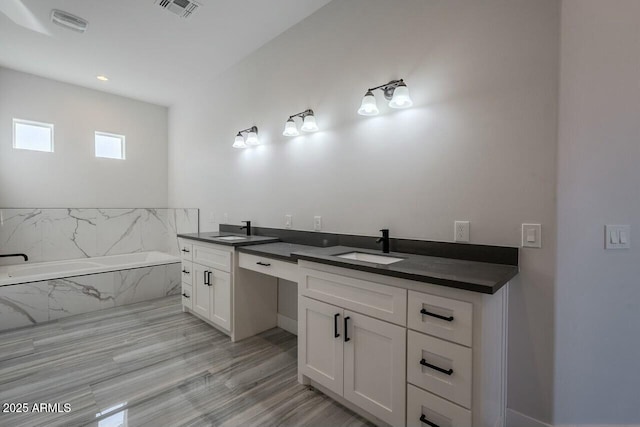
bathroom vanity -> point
(403, 339)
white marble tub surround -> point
(33, 272)
(58, 234)
(40, 301)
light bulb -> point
(252, 138)
(368, 106)
(239, 142)
(401, 98)
(290, 128)
(309, 123)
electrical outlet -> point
(288, 221)
(461, 232)
(317, 223)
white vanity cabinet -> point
(414, 353)
(238, 302)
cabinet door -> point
(320, 348)
(221, 299)
(201, 291)
(375, 367)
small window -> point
(109, 145)
(28, 135)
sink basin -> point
(377, 259)
(230, 238)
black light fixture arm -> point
(247, 130)
(388, 88)
(303, 114)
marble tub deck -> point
(150, 364)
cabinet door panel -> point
(221, 299)
(320, 352)
(374, 367)
(202, 292)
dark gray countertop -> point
(214, 237)
(279, 250)
(473, 276)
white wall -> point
(72, 176)
(598, 294)
(480, 143)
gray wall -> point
(71, 176)
(598, 293)
(480, 143)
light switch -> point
(531, 235)
(617, 236)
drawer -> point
(423, 406)
(212, 257)
(441, 317)
(187, 272)
(439, 366)
(186, 249)
(374, 299)
(187, 295)
(272, 267)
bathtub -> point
(34, 272)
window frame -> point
(34, 123)
(123, 144)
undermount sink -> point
(231, 238)
(377, 259)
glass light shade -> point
(252, 138)
(401, 98)
(309, 124)
(290, 128)
(368, 106)
(239, 142)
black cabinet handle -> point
(185, 250)
(426, 313)
(346, 338)
(335, 325)
(186, 296)
(209, 278)
(424, 420)
(429, 365)
(185, 271)
(263, 263)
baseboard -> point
(516, 419)
(288, 324)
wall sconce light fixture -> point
(252, 138)
(308, 123)
(396, 92)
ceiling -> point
(147, 52)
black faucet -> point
(26, 258)
(247, 226)
(385, 240)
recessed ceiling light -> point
(102, 78)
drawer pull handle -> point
(335, 325)
(426, 313)
(346, 320)
(265, 264)
(429, 365)
(424, 420)
(209, 278)
(185, 271)
(186, 296)
(185, 250)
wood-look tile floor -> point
(150, 364)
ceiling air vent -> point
(182, 8)
(69, 21)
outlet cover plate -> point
(288, 221)
(461, 231)
(317, 223)
(531, 235)
(617, 237)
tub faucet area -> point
(26, 258)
